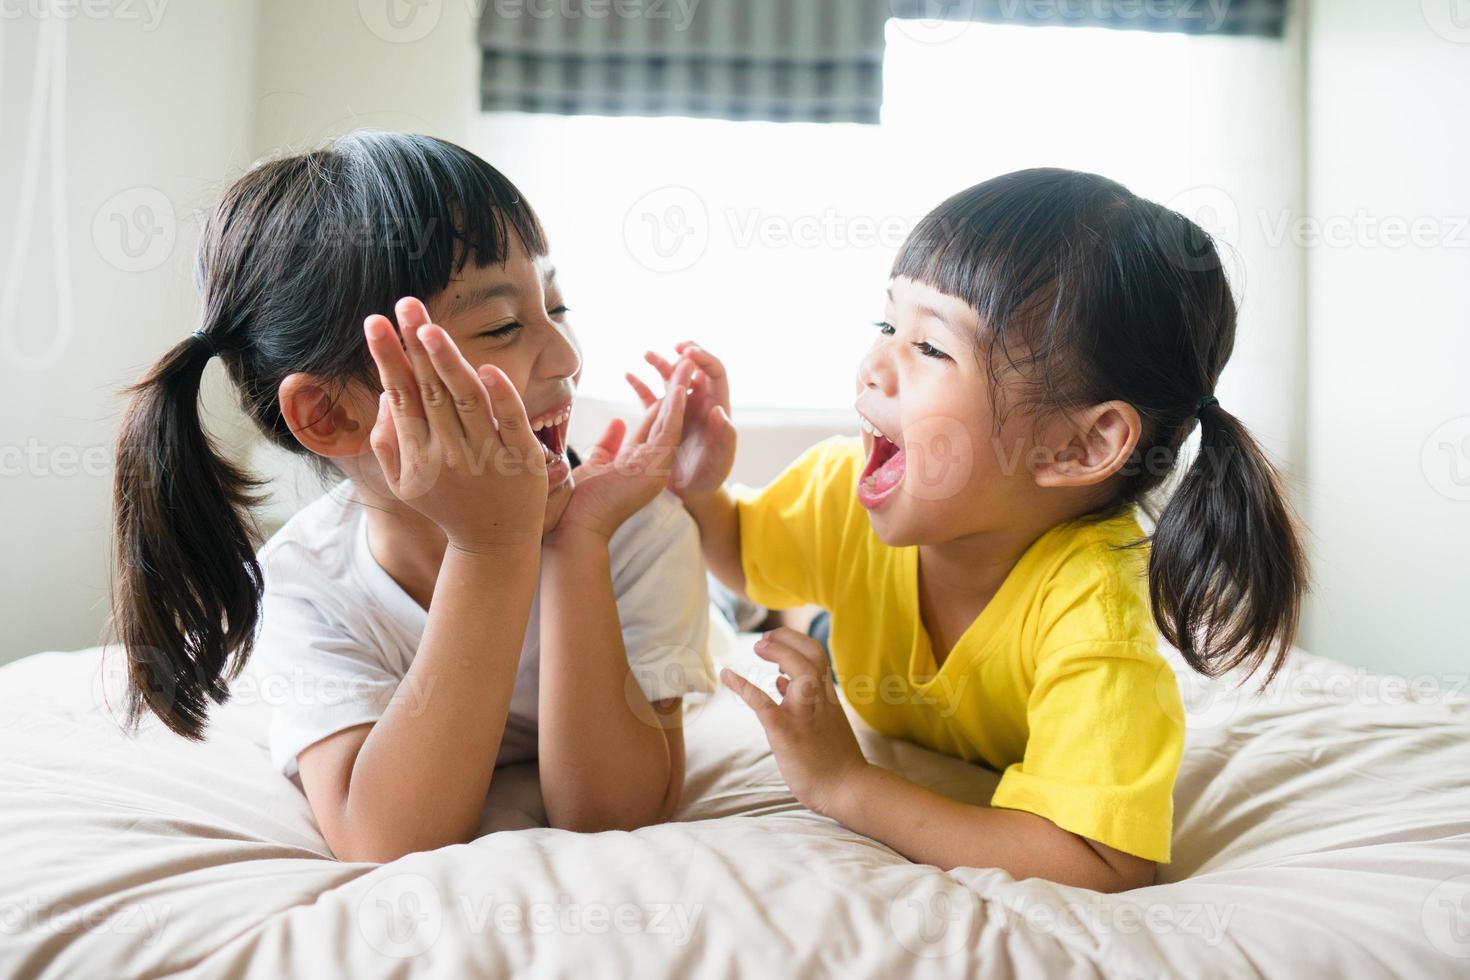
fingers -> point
(394, 370)
(785, 637)
(650, 416)
(707, 362)
(711, 368)
(662, 409)
(466, 392)
(384, 440)
(760, 702)
(719, 419)
(510, 412)
(663, 367)
(668, 426)
(606, 449)
(645, 394)
(785, 656)
(433, 393)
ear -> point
(1090, 446)
(327, 420)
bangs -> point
(429, 207)
(1027, 251)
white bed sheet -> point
(1320, 830)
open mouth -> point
(884, 473)
(550, 430)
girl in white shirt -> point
(386, 306)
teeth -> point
(870, 428)
(553, 421)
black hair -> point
(1088, 293)
(299, 251)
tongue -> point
(881, 478)
(887, 476)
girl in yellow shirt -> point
(1050, 340)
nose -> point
(875, 371)
(561, 358)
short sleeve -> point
(1106, 736)
(663, 601)
(314, 676)
(792, 530)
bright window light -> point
(770, 243)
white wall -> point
(163, 103)
(326, 68)
(1388, 424)
(145, 116)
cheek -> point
(941, 456)
(511, 364)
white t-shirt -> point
(337, 633)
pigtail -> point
(1227, 568)
(187, 587)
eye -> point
(500, 332)
(929, 350)
(557, 311)
(885, 328)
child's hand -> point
(619, 478)
(454, 445)
(707, 452)
(808, 731)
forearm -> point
(605, 760)
(419, 781)
(718, 518)
(929, 828)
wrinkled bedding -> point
(1321, 829)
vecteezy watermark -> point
(1215, 702)
(831, 229)
(668, 229)
(934, 916)
(34, 458)
(400, 21)
(664, 673)
(1213, 212)
(135, 230)
(149, 12)
(1446, 459)
(1450, 19)
(1108, 915)
(1445, 916)
(933, 21)
(292, 687)
(403, 915)
(1364, 229)
(946, 695)
(143, 919)
(305, 688)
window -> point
(771, 243)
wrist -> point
(702, 504)
(847, 790)
(576, 540)
(507, 548)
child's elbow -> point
(1114, 880)
(590, 821)
(373, 846)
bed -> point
(1321, 829)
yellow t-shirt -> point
(1058, 684)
